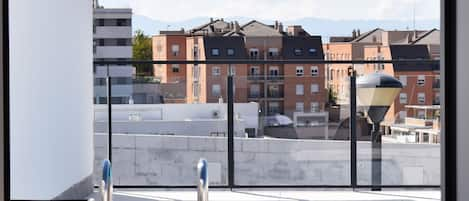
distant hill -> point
(315, 26)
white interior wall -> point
(51, 78)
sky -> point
(284, 10)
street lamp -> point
(376, 92)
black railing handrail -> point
(250, 61)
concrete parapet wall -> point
(171, 160)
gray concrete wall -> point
(171, 160)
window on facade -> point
(299, 71)
(230, 52)
(274, 107)
(195, 90)
(175, 68)
(314, 71)
(216, 90)
(195, 72)
(312, 51)
(314, 88)
(300, 90)
(403, 79)
(195, 51)
(215, 52)
(273, 52)
(421, 114)
(436, 101)
(403, 98)
(274, 91)
(253, 52)
(297, 51)
(254, 90)
(232, 70)
(402, 114)
(421, 98)
(331, 75)
(216, 71)
(123, 22)
(314, 106)
(299, 107)
(273, 71)
(254, 70)
(175, 50)
(421, 80)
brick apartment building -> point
(278, 88)
(421, 81)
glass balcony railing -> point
(295, 131)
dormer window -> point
(215, 52)
(230, 52)
(298, 51)
(312, 51)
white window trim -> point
(214, 86)
(300, 71)
(214, 73)
(299, 92)
(299, 109)
(316, 68)
(316, 105)
(421, 96)
(401, 95)
(421, 78)
(316, 87)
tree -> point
(332, 96)
(142, 50)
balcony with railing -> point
(282, 128)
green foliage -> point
(142, 50)
(332, 96)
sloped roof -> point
(223, 44)
(211, 27)
(256, 28)
(400, 52)
(303, 43)
(366, 34)
(425, 35)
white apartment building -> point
(112, 40)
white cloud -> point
(178, 10)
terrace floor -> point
(278, 195)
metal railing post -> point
(230, 97)
(353, 128)
(202, 183)
(109, 113)
(106, 182)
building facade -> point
(278, 88)
(112, 40)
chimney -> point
(237, 28)
(294, 30)
(354, 34)
(222, 19)
(276, 25)
(280, 27)
(416, 34)
(211, 20)
(358, 32)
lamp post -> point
(376, 92)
